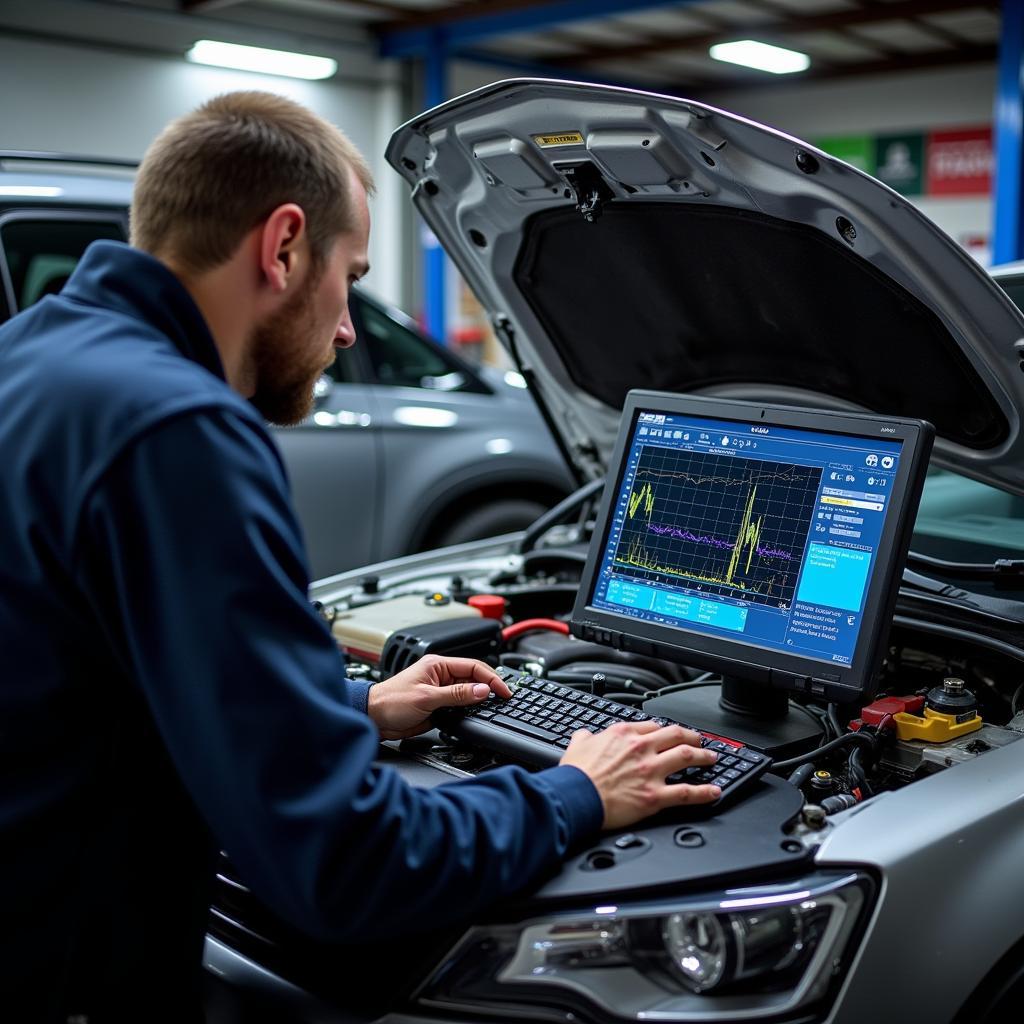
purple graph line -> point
(715, 542)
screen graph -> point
(732, 527)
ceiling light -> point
(763, 56)
(32, 191)
(256, 58)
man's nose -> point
(345, 335)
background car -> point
(409, 446)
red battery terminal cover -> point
(880, 712)
(490, 606)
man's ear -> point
(283, 246)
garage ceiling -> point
(661, 43)
(667, 43)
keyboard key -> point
(525, 728)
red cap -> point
(490, 606)
(874, 713)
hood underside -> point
(623, 240)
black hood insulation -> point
(682, 297)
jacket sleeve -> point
(189, 548)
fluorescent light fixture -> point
(30, 190)
(256, 58)
(762, 56)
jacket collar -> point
(115, 276)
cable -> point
(678, 687)
(833, 719)
(626, 698)
(827, 748)
(532, 558)
(554, 515)
(855, 765)
(954, 632)
(620, 676)
(526, 625)
(968, 570)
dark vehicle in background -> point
(409, 446)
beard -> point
(285, 364)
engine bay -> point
(944, 696)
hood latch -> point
(590, 190)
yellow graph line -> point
(748, 535)
(644, 497)
(747, 538)
(638, 557)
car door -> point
(40, 248)
(333, 459)
(451, 442)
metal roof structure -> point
(660, 42)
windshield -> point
(963, 520)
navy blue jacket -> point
(166, 687)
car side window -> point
(401, 358)
(42, 253)
(345, 369)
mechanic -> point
(167, 688)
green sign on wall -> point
(899, 162)
(858, 150)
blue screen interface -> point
(761, 534)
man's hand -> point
(628, 763)
(401, 706)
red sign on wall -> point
(959, 163)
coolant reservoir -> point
(364, 631)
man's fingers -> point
(669, 736)
(676, 758)
(477, 672)
(456, 695)
(640, 727)
(683, 795)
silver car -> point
(625, 240)
(409, 446)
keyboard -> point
(537, 723)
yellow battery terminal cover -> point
(933, 726)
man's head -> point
(260, 206)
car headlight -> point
(735, 955)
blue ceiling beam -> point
(1008, 209)
(538, 69)
(457, 34)
(435, 287)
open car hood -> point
(620, 239)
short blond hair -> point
(214, 174)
